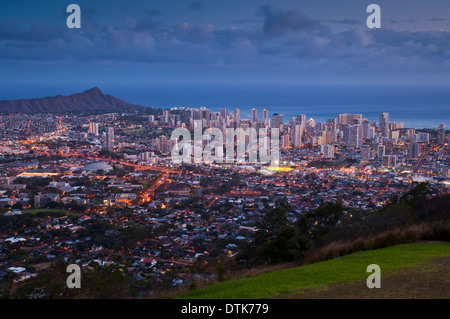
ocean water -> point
(417, 106)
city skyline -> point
(224, 149)
(100, 190)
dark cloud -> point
(155, 13)
(286, 39)
(244, 21)
(345, 21)
(279, 22)
(86, 12)
(196, 5)
(438, 19)
(37, 32)
(410, 20)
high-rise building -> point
(166, 116)
(353, 136)
(254, 115)
(110, 138)
(349, 119)
(297, 136)
(415, 150)
(365, 152)
(285, 141)
(381, 151)
(368, 130)
(321, 126)
(331, 137)
(301, 119)
(394, 135)
(237, 117)
(441, 134)
(205, 113)
(265, 115)
(389, 161)
(93, 128)
(197, 114)
(277, 120)
(384, 124)
(223, 113)
(421, 137)
(331, 124)
(162, 143)
(396, 126)
(328, 151)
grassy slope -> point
(37, 210)
(429, 280)
(52, 210)
(344, 269)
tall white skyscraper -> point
(254, 115)
(297, 136)
(353, 136)
(328, 151)
(109, 138)
(237, 117)
(265, 115)
(441, 134)
(384, 124)
(368, 130)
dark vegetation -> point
(332, 230)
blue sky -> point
(234, 41)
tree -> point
(418, 193)
(17, 206)
(318, 222)
(288, 246)
(273, 222)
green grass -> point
(348, 268)
(51, 210)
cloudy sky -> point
(224, 41)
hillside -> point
(314, 279)
(89, 100)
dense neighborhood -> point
(101, 190)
